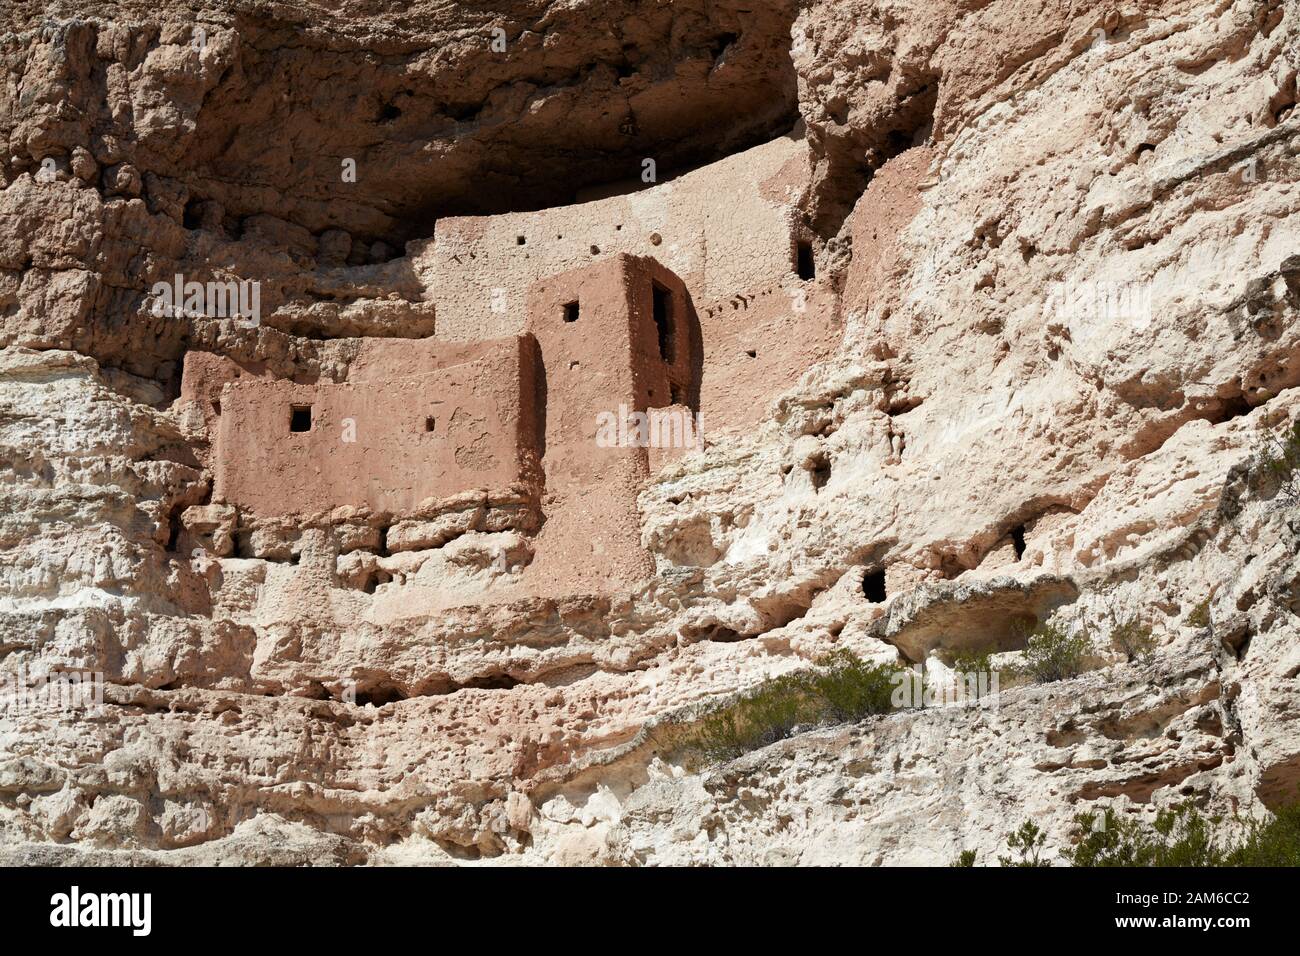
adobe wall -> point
(609, 356)
(723, 228)
(758, 344)
(430, 431)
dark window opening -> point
(192, 218)
(821, 472)
(1233, 407)
(719, 44)
(379, 696)
(664, 321)
(520, 240)
(873, 586)
(570, 312)
(1018, 541)
(174, 526)
(429, 423)
(300, 418)
(899, 140)
(752, 353)
(805, 264)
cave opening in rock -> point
(820, 472)
(1018, 541)
(852, 167)
(873, 586)
(299, 418)
(379, 695)
(571, 312)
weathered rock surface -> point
(988, 430)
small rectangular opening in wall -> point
(299, 418)
(804, 261)
(429, 423)
(520, 240)
(663, 314)
(570, 312)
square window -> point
(570, 312)
(299, 418)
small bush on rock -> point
(1027, 842)
(1133, 639)
(1179, 836)
(1052, 654)
(1200, 616)
(841, 688)
(972, 662)
(848, 688)
(1182, 836)
(1281, 460)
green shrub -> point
(1133, 639)
(763, 716)
(964, 858)
(1275, 843)
(1182, 836)
(974, 674)
(1027, 842)
(848, 688)
(840, 688)
(1281, 459)
(972, 662)
(1200, 615)
(1179, 837)
(1052, 653)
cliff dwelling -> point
(503, 402)
(844, 432)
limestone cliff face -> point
(996, 312)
